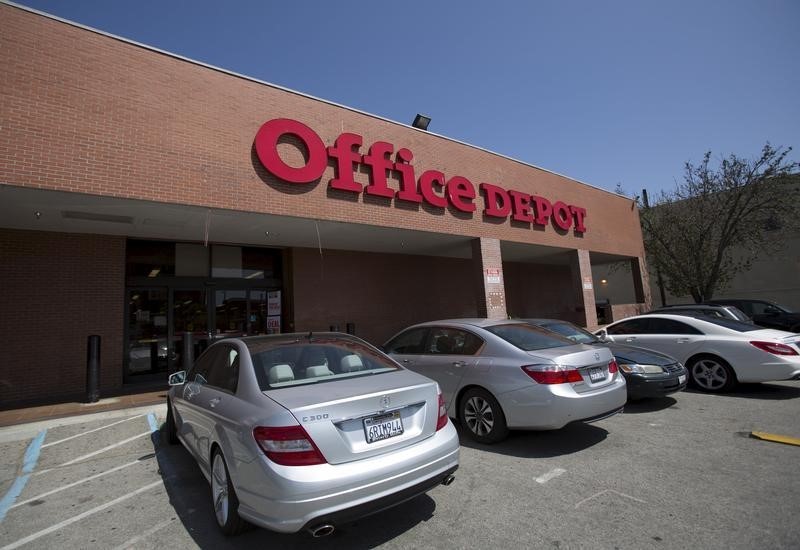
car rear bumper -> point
(289, 498)
(642, 386)
(550, 407)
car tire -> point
(223, 497)
(711, 374)
(482, 417)
(170, 430)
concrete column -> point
(487, 266)
(584, 288)
(641, 282)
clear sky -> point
(606, 92)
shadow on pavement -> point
(648, 405)
(765, 391)
(190, 495)
(570, 439)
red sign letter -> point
(458, 189)
(522, 206)
(579, 214)
(427, 180)
(543, 210)
(267, 150)
(496, 201)
(343, 152)
(408, 185)
(378, 160)
(562, 217)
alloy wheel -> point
(709, 374)
(478, 415)
(219, 489)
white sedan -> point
(718, 353)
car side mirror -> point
(602, 335)
(177, 379)
(771, 311)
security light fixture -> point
(421, 122)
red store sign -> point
(432, 187)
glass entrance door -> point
(148, 326)
(189, 316)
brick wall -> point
(380, 293)
(535, 290)
(55, 290)
(87, 113)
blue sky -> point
(605, 92)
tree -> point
(719, 219)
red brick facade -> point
(56, 290)
(90, 114)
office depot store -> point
(144, 197)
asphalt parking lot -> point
(679, 472)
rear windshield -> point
(576, 334)
(297, 363)
(528, 338)
(738, 326)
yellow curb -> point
(776, 438)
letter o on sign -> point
(562, 216)
(267, 150)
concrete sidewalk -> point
(61, 410)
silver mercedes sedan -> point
(307, 431)
(497, 375)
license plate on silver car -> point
(383, 426)
(596, 374)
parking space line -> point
(90, 431)
(139, 538)
(28, 464)
(79, 517)
(151, 419)
(79, 482)
(104, 449)
(549, 475)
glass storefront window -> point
(191, 260)
(150, 259)
(231, 312)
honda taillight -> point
(612, 366)
(552, 374)
(442, 422)
(775, 348)
(288, 445)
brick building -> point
(144, 196)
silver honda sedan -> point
(301, 432)
(506, 374)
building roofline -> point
(291, 91)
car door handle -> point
(683, 340)
(459, 363)
(408, 362)
(630, 338)
(213, 403)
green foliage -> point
(691, 233)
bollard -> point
(351, 328)
(334, 328)
(187, 357)
(93, 369)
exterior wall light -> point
(421, 122)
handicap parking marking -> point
(79, 517)
(28, 465)
(91, 431)
(542, 479)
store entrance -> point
(183, 296)
(160, 319)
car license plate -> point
(681, 378)
(383, 426)
(596, 374)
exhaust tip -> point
(448, 480)
(319, 531)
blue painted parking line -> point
(28, 464)
(151, 419)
